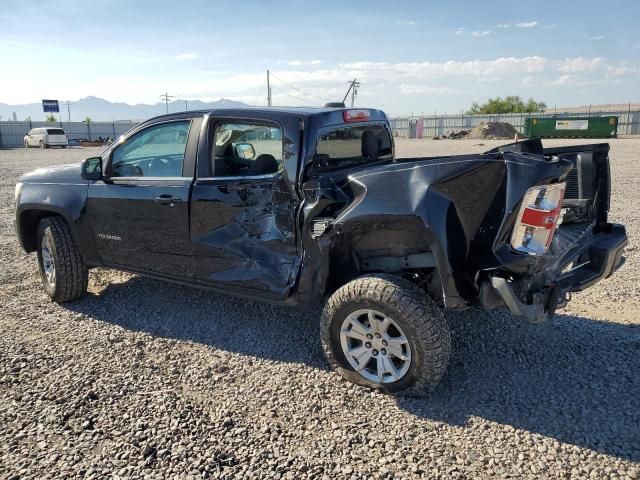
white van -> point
(46, 137)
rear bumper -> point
(593, 259)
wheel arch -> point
(409, 252)
(28, 221)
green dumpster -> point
(572, 127)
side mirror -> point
(244, 151)
(92, 168)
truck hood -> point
(59, 174)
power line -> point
(307, 96)
(68, 104)
(353, 88)
(260, 93)
(165, 97)
(268, 89)
(303, 100)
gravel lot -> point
(144, 379)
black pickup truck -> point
(294, 206)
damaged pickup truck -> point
(294, 206)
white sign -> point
(572, 124)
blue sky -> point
(418, 56)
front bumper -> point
(584, 264)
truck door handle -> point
(166, 199)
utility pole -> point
(268, 89)
(68, 104)
(353, 88)
(165, 97)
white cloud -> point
(481, 33)
(566, 80)
(531, 24)
(426, 89)
(597, 37)
(622, 70)
(409, 23)
(580, 64)
(452, 68)
(186, 56)
(300, 63)
(460, 31)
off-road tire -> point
(422, 321)
(71, 273)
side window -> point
(246, 149)
(157, 151)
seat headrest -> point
(264, 164)
(370, 148)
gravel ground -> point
(144, 379)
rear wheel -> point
(383, 332)
(63, 272)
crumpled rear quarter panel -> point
(459, 208)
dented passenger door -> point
(243, 206)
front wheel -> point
(42, 144)
(26, 144)
(63, 271)
(383, 332)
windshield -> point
(348, 145)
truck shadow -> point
(572, 379)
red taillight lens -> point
(537, 219)
(356, 115)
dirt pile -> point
(485, 131)
(493, 131)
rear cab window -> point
(347, 145)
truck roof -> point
(329, 115)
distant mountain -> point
(99, 109)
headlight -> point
(538, 218)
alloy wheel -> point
(48, 265)
(375, 346)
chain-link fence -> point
(438, 125)
(12, 133)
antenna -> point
(165, 97)
(353, 88)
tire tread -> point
(72, 274)
(425, 318)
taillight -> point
(356, 115)
(538, 218)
